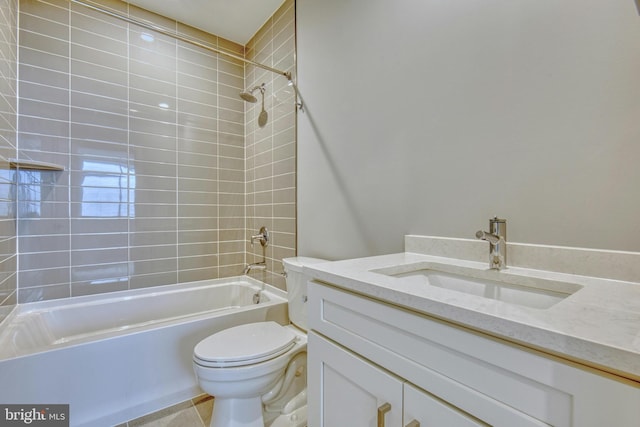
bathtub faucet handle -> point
(262, 237)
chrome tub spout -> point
(262, 265)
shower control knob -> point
(262, 237)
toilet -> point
(257, 371)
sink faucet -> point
(497, 238)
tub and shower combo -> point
(118, 356)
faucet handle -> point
(489, 237)
(263, 237)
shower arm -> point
(299, 103)
(261, 88)
(160, 30)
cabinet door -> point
(346, 390)
(422, 409)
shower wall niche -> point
(151, 133)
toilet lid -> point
(245, 344)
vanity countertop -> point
(598, 326)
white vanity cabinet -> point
(364, 354)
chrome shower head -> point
(248, 95)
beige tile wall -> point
(151, 133)
(271, 150)
(8, 119)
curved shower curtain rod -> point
(160, 30)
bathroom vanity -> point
(417, 339)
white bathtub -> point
(118, 356)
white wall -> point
(431, 116)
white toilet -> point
(257, 371)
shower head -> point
(248, 95)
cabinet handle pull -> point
(413, 423)
(382, 410)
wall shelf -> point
(33, 165)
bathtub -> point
(118, 356)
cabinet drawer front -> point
(499, 383)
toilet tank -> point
(297, 288)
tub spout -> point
(262, 265)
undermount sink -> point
(520, 290)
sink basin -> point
(520, 290)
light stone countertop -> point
(598, 325)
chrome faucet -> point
(497, 238)
(262, 265)
(262, 237)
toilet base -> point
(297, 418)
(237, 412)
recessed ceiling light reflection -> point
(147, 37)
(163, 105)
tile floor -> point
(192, 413)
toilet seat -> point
(244, 345)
